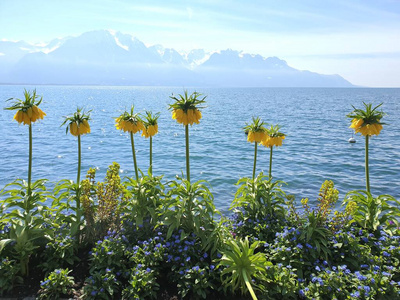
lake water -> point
(314, 120)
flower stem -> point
(187, 152)
(78, 177)
(134, 157)
(151, 155)
(255, 159)
(270, 163)
(248, 285)
(30, 160)
(366, 164)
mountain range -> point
(106, 57)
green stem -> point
(151, 155)
(187, 152)
(255, 159)
(134, 157)
(30, 160)
(248, 284)
(366, 164)
(270, 163)
(78, 177)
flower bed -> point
(142, 238)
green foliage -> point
(57, 285)
(190, 207)
(259, 197)
(341, 283)
(100, 285)
(143, 199)
(280, 282)
(107, 254)
(66, 207)
(313, 226)
(259, 208)
(101, 203)
(59, 252)
(142, 284)
(186, 101)
(26, 229)
(369, 115)
(196, 281)
(373, 212)
(242, 265)
(190, 267)
(9, 270)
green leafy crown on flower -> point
(255, 126)
(24, 104)
(369, 115)
(186, 102)
(130, 116)
(150, 118)
(273, 131)
(78, 117)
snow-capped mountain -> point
(114, 58)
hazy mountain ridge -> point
(113, 58)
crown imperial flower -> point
(368, 121)
(150, 127)
(28, 111)
(186, 109)
(78, 124)
(129, 122)
(273, 137)
(256, 131)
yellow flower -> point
(198, 116)
(77, 123)
(356, 123)
(266, 141)
(185, 120)
(73, 128)
(151, 130)
(250, 136)
(185, 110)
(26, 119)
(369, 129)
(19, 116)
(84, 127)
(29, 116)
(189, 117)
(120, 124)
(27, 110)
(129, 122)
(76, 128)
(367, 121)
(177, 114)
(273, 137)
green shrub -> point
(101, 203)
(241, 264)
(141, 285)
(57, 285)
(372, 212)
(9, 270)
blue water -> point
(314, 119)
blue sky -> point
(360, 40)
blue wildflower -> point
(356, 294)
